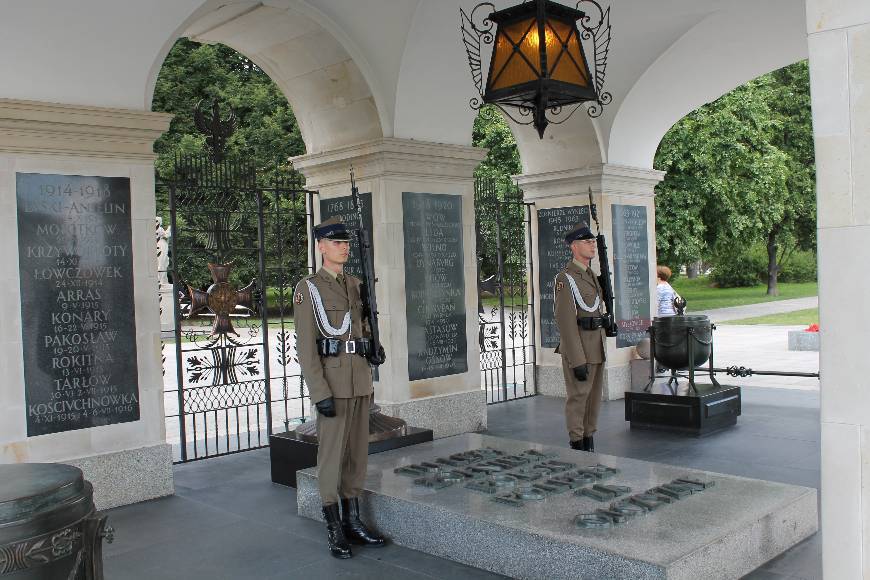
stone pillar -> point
(839, 49)
(388, 168)
(613, 187)
(126, 462)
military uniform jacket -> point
(346, 375)
(577, 345)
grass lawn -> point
(701, 296)
(802, 317)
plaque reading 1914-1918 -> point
(553, 255)
(344, 209)
(631, 273)
(78, 324)
(434, 285)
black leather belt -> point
(337, 346)
(591, 322)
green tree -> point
(267, 132)
(266, 135)
(498, 202)
(739, 171)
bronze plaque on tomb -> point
(77, 311)
(553, 256)
(434, 285)
(631, 276)
(343, 209)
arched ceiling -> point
(358, 70)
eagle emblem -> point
(559, 285)
(299, 298)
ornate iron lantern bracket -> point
(537, 35)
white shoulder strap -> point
(578, 299)
(320, 314)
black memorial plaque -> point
(434, 285)
(78, 329)
(631, 275)
(343, 209)
(553, 256)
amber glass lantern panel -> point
(513, 43)
(564, 54)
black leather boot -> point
(588, 444)
(356, 531)
(338, 545)
(578, 445)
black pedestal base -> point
(288, 454)
(710, 410)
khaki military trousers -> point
(583, 400)
(343, 451)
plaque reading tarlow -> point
(78, 324)
(553, 255)
(434, 285)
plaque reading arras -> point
(553, 255)
(631, 273)
(434, 285)
(343, 209)
(78, 329)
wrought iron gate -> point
(237, 250)
(505, 305)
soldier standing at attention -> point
(578, 310)
(332, 352)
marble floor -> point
(228, 521)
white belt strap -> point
(320, 315)
(578, 300)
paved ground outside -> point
(763, 347)
(228, 521)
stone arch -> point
(702, 65)
(318, 68)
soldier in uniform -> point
(333, 350)
(578, 310)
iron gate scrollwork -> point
(505, 305)
(237, 249)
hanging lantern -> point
(538, 63)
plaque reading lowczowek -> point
(631, 273)
(434, 285)
(553, 255)
(78, 325)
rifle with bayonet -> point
(610, 328)
(367, 290)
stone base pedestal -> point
(803, 340)
(711, 410)
(167, 310)
(130, 476)
(445, 415)
(725, 531)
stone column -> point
(613, 186)
(387, 168)
(126, 462)
(839, 49)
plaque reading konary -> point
(434, 285)
(78, 325)
(631, 273)
(343, 209)
(553, 255)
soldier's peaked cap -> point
(332, 229)
(579, 232)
